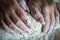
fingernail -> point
(43, 23)
(28, 31)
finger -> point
(22, 14)
(35, 12)
(10, 24)
(0, 18)
(52, 18)
(56, 14)
(25, 29)
(13, 26)
(46, 11)
(22, 26)
(18, 21)
(58, 7)
(0, 23)
(6, 28)
(23, 4)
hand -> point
(45, 12)
(15, 17)
(53, 14)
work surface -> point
(55, 35)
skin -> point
(23, 4)
(56, 13)
(58, 7)
(48, 10)
(37, 13)
(6, 28)
(16, 25)
(53, 14)
(43, 11)
(55, 17)
(22, 14)
(35, 10)
(0, 19)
